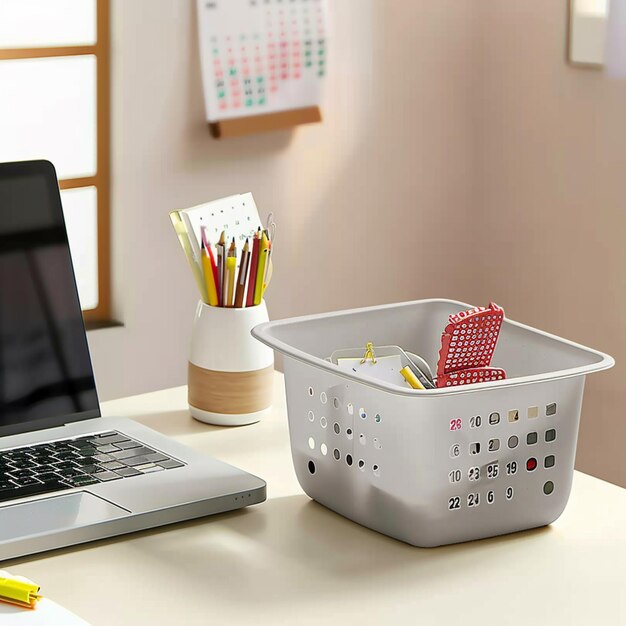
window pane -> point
(81, 219)
(48, 111)
(42, 23)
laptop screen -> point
(46, 377)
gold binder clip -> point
(369, 353)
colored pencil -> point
(221, 267)
(263, 261)
(254, 264)
(231, 266)
(243, 273)
(208, 264)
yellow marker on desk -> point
(264, 248)
(19, 591)
(411, 378)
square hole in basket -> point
(513, 415)
(550, 435)
(533, 411)
(551, 409)
(494, 418)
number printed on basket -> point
(473, 499)
(493, 469)
(456, 424)
(474, 473)
(454, 503)
(511, 468)
(476, 421)
(455, 476)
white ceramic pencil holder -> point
(230, 373)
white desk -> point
(291, 561)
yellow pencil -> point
(231, 265)
(263, 261)
(209, 277)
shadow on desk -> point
(288, 546)
(178, 423)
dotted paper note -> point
(261, 56)
(236, 215)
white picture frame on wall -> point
(588, 32)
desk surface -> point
(291, 561)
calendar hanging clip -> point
(270, 227)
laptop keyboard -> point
(70, 463)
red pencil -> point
(254, 263)
(207, 247)
(214, 269)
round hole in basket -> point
(377, 418)
(324, 449)
(323, 397)
(362, 414)
(336, 454)
(350, 408)
(311, 392)
(323, 422)
(336, 402)
(362, 439)
(311, 416)
(349, 459)
(349, 434)
(311, 443)
(336, 428)
(311, 467)
(362, 465)
(376, 470)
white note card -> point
(262, 56)
(47, 613)
(386, 368)
(237, 216)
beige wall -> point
(438, 112)
(391, 163)
(553, 200)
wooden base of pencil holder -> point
(230, 372)
(231, 398)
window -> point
(54, 81)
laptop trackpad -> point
(55, 514)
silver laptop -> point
(67, 475)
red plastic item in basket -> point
(467, 345)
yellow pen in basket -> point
(411, 378)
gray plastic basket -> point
(440, 466)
